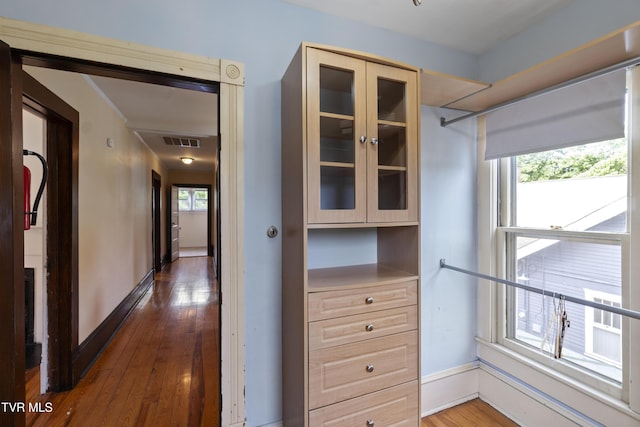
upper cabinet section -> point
(361, 140)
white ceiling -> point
(472, 26)
(153, 111)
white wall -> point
(34, 241)
(193, 227)
(114, 200)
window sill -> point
(573, 399)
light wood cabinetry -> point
(350, 327)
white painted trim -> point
(448, 388)
(567, 398)
(72, 44)
(278, 424)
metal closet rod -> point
(617, 310)
(624, 64)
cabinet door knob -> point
(369, 327)
(370, 423)
(369, 300)
(369, 368)
(374, 141)
(363, 139)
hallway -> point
(163, 366)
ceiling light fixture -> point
(186, 160)
(417, 2)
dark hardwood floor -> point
(474, 413)
(161, 369)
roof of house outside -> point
(572, 204)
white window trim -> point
(491, 296)
(589, 323)
(192, 199)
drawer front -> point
(393, 407)
(351, 370)
(326, 305)
(345, 330)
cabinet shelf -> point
(323, 279)
(392, 168)
(391, 123)
(336, 116)
(337, 165)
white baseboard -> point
(278, 424)
(448, 388)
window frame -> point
(493, 178)
(192, 199)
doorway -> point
(195, 72)
(156, 215)
(192, 211)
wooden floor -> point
(161, 369)
(473, 413)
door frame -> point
(69, 48)
(209, 188)
(156, 215)
(62, 136)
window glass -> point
(573, 267)
(576, 188)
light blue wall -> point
(264, 35)
(581, 22)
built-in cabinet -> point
(362, 140)
(350, 240)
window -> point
(603, 330)
(563, 223)
(192, 199)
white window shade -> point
(589, 111)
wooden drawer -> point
(345, 330)
(351, 370)
(326, 305)
(393, 407)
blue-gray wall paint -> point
(264, 34)
(577, 24)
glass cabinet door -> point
(392, 151)
(336, 124)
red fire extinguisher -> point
(30, 216)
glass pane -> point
(392, 146)
(337, 188)
(336, 140)
(183, 194)
(201, 194)
(577, 188)
(336, 91)
(573, 268)
(391, 98)
(201, 205)
(184, 205)
(392, 189)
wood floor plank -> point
(161, 368)
(473, 413)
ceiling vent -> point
(181, 141)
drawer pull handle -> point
(369, 300)
(369, 368)
(369, 327)
(370, 423)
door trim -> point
(156, 215)
(63, 130)
(207, 187)
(57, 43)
